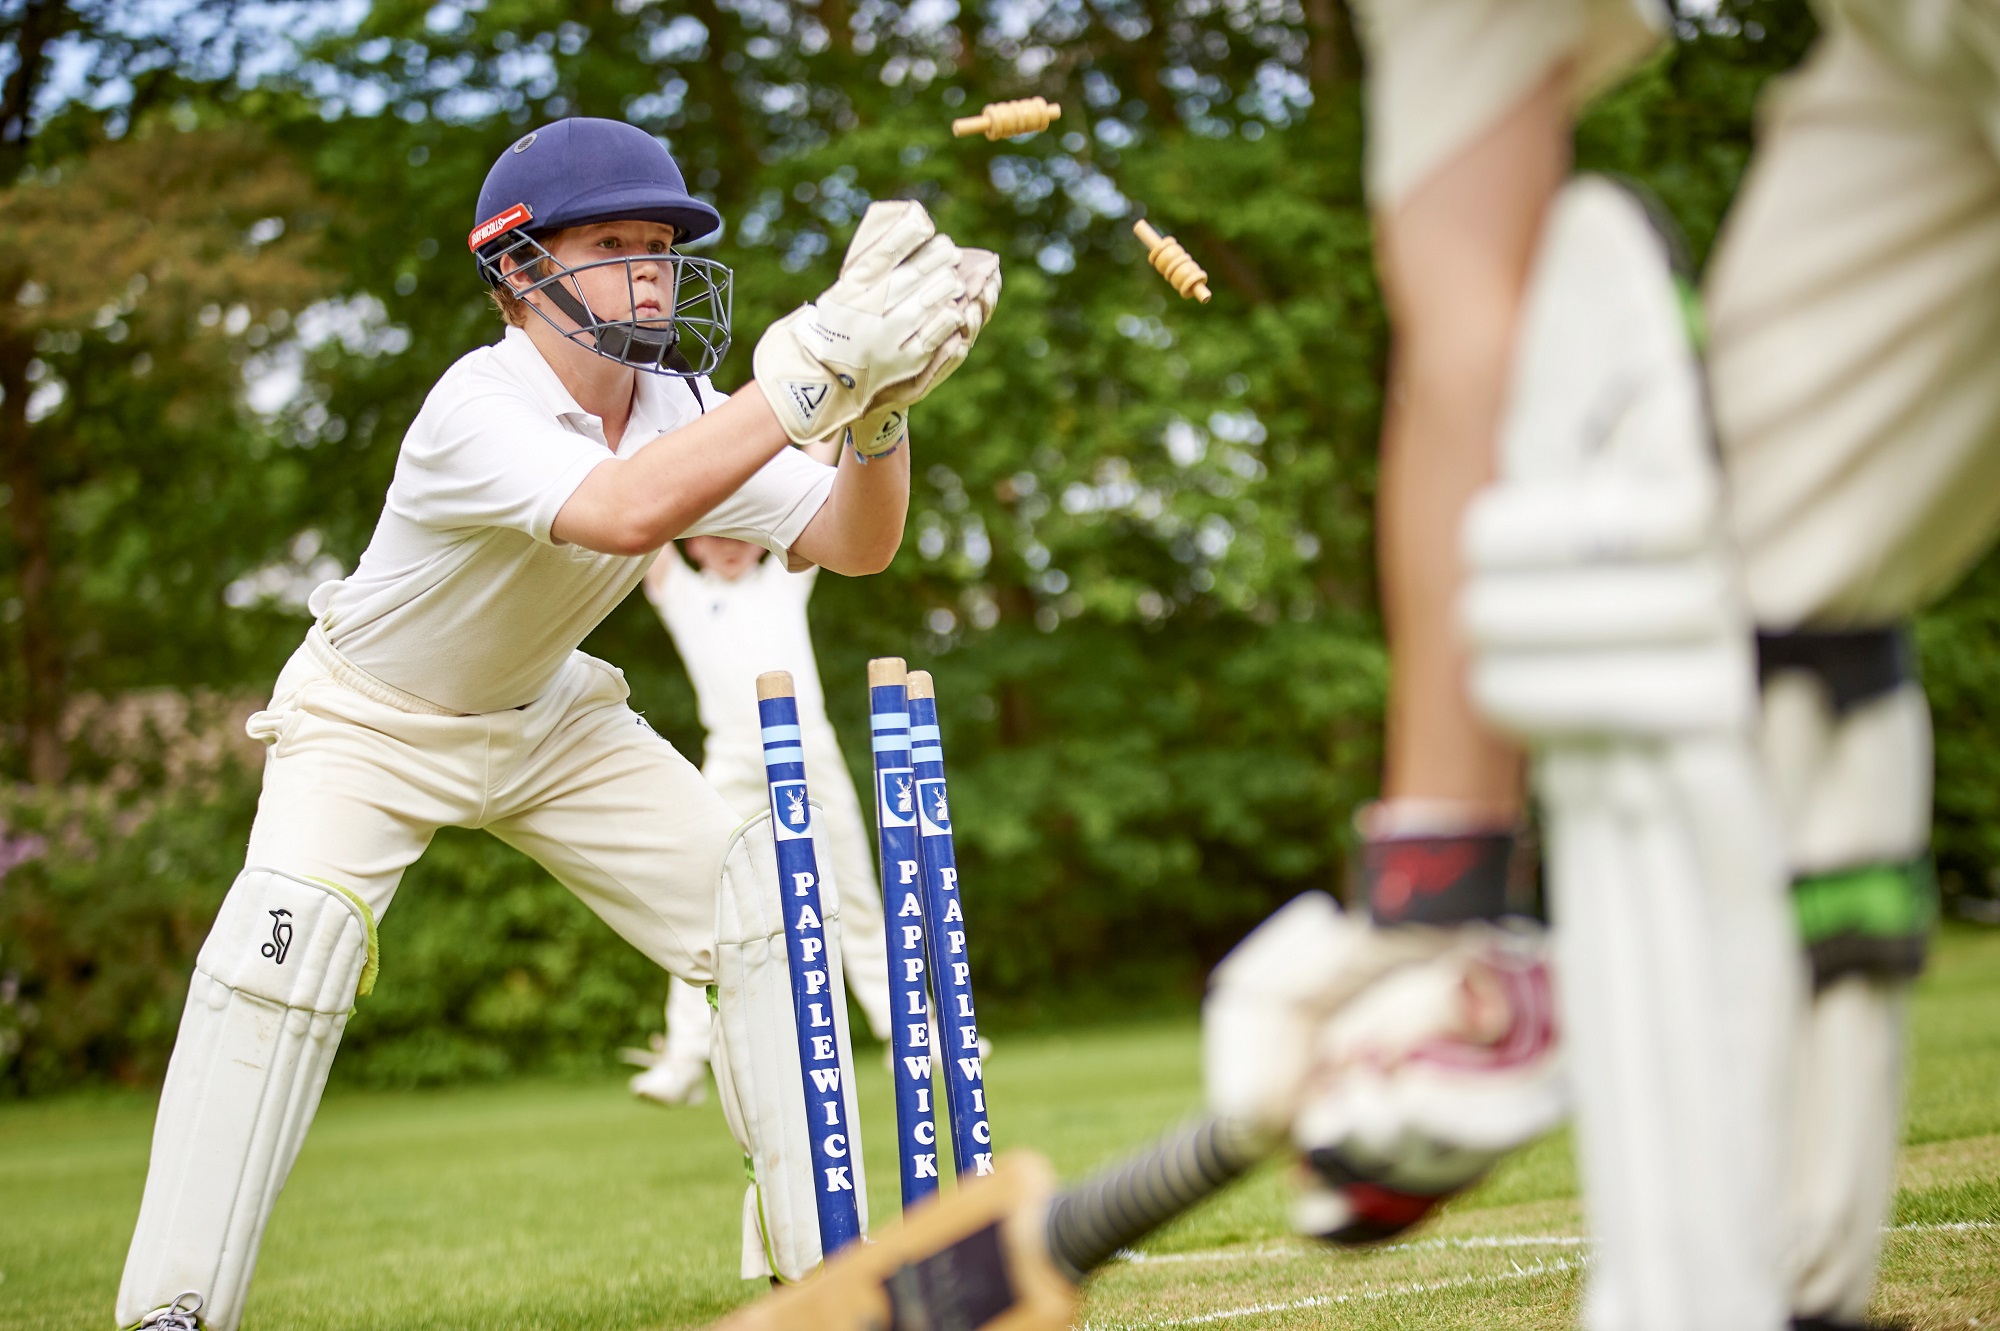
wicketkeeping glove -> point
(887, 425)
(980, 270)
(898, 300)
(879, 433)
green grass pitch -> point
(569, 1205)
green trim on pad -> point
(373, 966)
(1874, 901)
(1693, 317)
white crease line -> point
(1942, 1227)
(1129, 1257)
(1308, 1250)
(1555, 1267)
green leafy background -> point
(1139, 559)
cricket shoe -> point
(667, 1080)
(180, 1315)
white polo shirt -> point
(462, 597)
(728, 632)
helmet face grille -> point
(688, 337)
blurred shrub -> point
(105, 901)
(1958, 647)
(108, 886)
(110, 883)
(489, 967)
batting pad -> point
(756, 1062)
(1611, 632)
(270, 996)
(1847, 1127)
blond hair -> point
(512, 308)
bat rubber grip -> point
(1089, 1223)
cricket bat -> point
(1008, 1251)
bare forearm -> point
(860, 528)
(633, 505)
(1455, 260)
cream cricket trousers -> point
(737, 775)
(359, 777)
(1854, 358)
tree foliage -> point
(1139, 559)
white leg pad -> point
(270, 996)
(1855, 790)
(1847, 1131)
(756, 1056)
(1610, 631)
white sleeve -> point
(492, 459)
(773, 506)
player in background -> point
(441, 684)
(1701, 641)
(734, 614)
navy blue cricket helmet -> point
(583, 170)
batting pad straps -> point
(1443, 878)
(1873, 920)
(1855, 665)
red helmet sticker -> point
(498, 225)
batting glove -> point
(1402, 1062)
(1424, 1081)
(898, 301)
(1269, 998)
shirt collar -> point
(525, 360)
(658, 405)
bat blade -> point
(974, 1259)
(1006, 1252)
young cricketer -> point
(733, 614)
(441, 685)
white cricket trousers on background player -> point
(359, 776)
(739, 778)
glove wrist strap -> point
(1438, 877)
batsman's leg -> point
(266, 1007)
(1855, 330)
(1846, 735)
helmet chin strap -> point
(627, 343)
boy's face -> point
(641, 290)
(722, 555)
